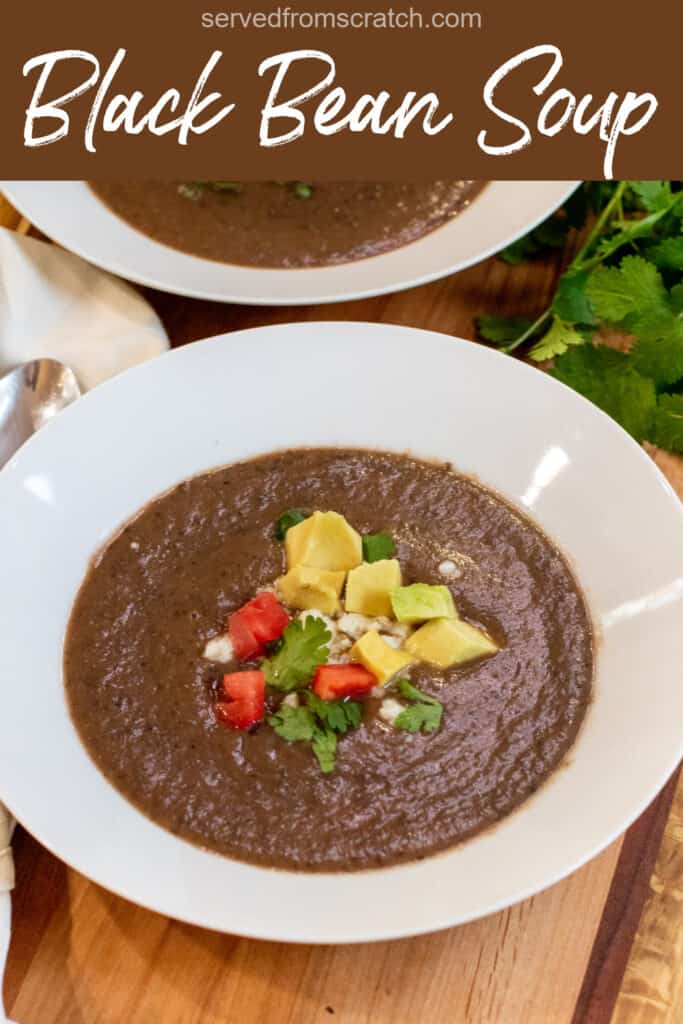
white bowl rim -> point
(268, 286)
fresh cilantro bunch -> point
(304, 646)
(628, 275)
(318, 722)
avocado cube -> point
(379, 657)
(421, 601)
(446, 642)
(305, 587)
(324, 541)
(368, 587)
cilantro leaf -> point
(419, 718)
(353, 710)
(667, 254)
(667, 430)
(292, 723)
(501, 329)
(635, 287)
(325, 749)
(304, 648)
(523, 249)
(659, 354)
(607, 378)
(377, 546)
(424, 714)
(410, 692)
(654, 195)
(676, 298)
(551, 234)
(302, 189)
(292, 517)
(317, 722)
(628, 234)
(652, 323)
(634, 294)
(224, 186)
(195, 189)
(609, 295)
(338, 715)
(557, 340)
(571, 303)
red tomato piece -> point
(255, 624)
(247, 699)
(349, 680)
(244, 643)
(265, 616)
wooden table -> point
(604, 945)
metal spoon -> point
(30, 395)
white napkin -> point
(53, 303)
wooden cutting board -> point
(604, 945)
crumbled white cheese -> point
(291, 700)
(219, 648)
(355, 625)
(400, 629)
(339, 650)
(449, 569)
(378, 691)
(390, 710)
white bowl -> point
(69, 213)
(538, 443)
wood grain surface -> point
(82, 956)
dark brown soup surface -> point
(140, 692)
(267, 224)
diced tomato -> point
(255, 624)
(349, 680)
(246, 704)
(244, 643)
(265, 616)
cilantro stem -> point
(578, 262)
(529, 332)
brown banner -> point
(478, 89)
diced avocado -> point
(306, 587)
(421, 601)
(446, 642)
(324, 541)
(368, 587)
(378, 657)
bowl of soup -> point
(335, 632)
